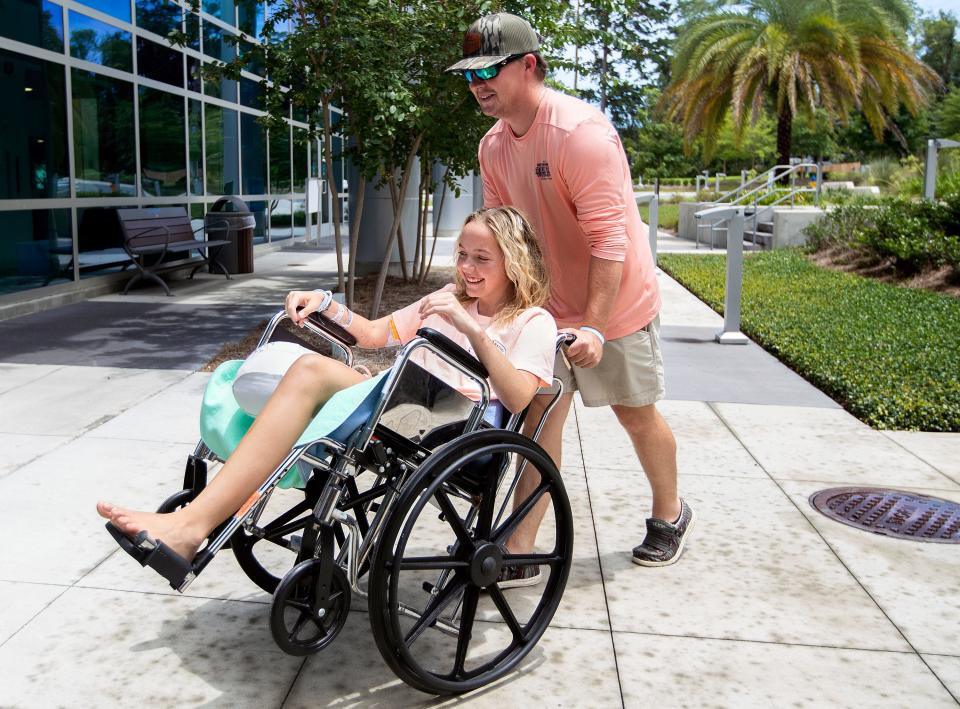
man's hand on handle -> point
(586, 350)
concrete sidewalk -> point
(771, 605)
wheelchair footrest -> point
(157, 555)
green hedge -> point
(889, 355)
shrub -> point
(889, 355)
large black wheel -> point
(305, 615)
(179, 499)
(268, 555)
(438, 614)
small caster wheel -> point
(304, 618)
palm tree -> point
(797, 54)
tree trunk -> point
(784, 133)
(398, 209)
(385, 265)
(355, 241)
(437, 212)
(334, 192)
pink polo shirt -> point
(570, 176)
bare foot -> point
(168, 528)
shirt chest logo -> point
(543, 170)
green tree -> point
(938, 47)
(947, 116)
(793, 57)
(616, 42)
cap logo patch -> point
(471, 44)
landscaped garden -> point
(888, 354)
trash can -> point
(237, 257)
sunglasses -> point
(489, 72)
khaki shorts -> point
(630, 373)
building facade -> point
(99, 111)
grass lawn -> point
(890, 355)
(668, 215)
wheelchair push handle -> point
(453, 351)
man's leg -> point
(673, 519)
(656, 448)
(551, 438)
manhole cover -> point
(893, 513)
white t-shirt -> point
(528, 341)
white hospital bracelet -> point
(594, 331)
(327, 299)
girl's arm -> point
(515, 388)
(370, 334)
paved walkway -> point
(772, 604)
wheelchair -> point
(410, 509)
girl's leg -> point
(307, 385)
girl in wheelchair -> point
(492, 310)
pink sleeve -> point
(405, 322)
(490, 196)
(535, 347)
(593, 169)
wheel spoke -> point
(298, 626)
(470, 597)
(452, 517)
(433, 609)
(551, 560)
(506, 612)
(430, 563)
(503, 532)
(485, 518)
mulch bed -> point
(396, 294)
(840, 258)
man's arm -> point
(603, 284)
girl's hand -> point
(299, 304)
(446, 305)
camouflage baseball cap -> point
(493, 38)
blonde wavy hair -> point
(522, 260)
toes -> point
(105, 509)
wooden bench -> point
(149, 235)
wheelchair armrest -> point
(332, 328)
(453, 350)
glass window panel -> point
(254, 141)
(33, 22)
(281, 219)
(300, 160)
(36, 249)
(259, 209)
(195, 131)
(99, 242)
(314, 155)
(115, 8)
(221, 9)
(338, 172)
(221, 88)
(221, 146)
(299, 218)
(162, 144)
(253, 60)
(160, 63)
(251, 94)
(194, 78)
(250, 17)
(103, 141)
(192, 28)
(214, 44)
(280, 160)
(158, 16)
(98, 42)
(34, 162)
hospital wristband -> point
(327, 299)
(593, 331)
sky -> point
(931, 6)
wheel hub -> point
(486, 564)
